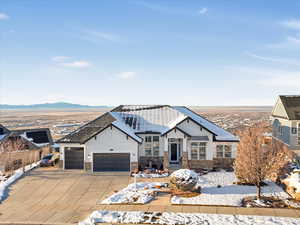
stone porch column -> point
(185, 162)
(166, 153)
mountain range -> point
(55, 105)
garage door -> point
(111, 162)
(74, 158)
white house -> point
(139, 136)
(286, 121)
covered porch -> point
(175, 149)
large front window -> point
(198, 150)
(298, 133)
(224, 151)
(151, 145)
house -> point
(22, 147)
(141, 136)
(37, 136)
(286, 121)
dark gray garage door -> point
(111, 162)
(74, 158)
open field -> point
(63, 121)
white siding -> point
(111, 140)
(194, 129)
(279, 109)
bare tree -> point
(257, 161)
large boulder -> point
(293, 184)
(184, 180)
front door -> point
(174, 152)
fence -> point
(10, 161)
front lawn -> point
(218, 188)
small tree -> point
(257, 161)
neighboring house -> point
(286, 121)
(141, 136)
(38, 136)
(21, 147)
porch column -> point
(185, 162)
(166, 153)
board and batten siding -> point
(111, 140)
(285, 125)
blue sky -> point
(178, 52)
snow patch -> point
(127, 217)
(150, 175)
(137, 193)
(184, 174)
(227, 193)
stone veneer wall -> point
(203, 164)
(223, 162)
(134, 166)
(185, 160)
(61, 164)
(166, 160)
(145, 160)
(88, 166)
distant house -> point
(141, 136)
(21, 147)
(286, 121)
(37, 136)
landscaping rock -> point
(184, 180)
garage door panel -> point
(111, 162)
(74, 159)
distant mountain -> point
(55, 105)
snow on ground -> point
(228, 194)
(17, 174)
(183, 218)
(138, 193)
(150, 175)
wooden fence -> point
(10, 161)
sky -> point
(176, 52)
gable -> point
(3, 130)
(111, 136)
(279, 110)
(194, 129)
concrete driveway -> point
(56, 197)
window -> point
(151, 145)
(220, 151)
(198, 150)
(280, 130)
(227, 152)
(148, 138)
(194, 150)
(298, 133)
(224, 151)
(202, 150)
(156, 145)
